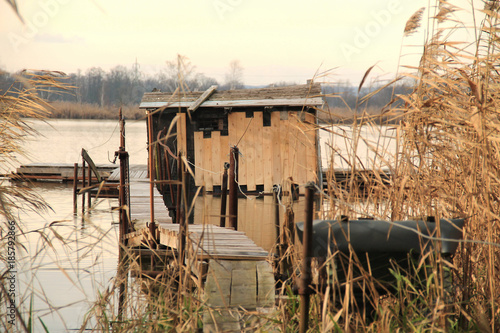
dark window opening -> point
(260, 188)
(207, 134)
(266, 120)
(213, 121)
(249, 114)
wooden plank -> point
(312, 149)
(259, 149)
(202, 98)
(315, 101)
(301, 155)
(276, 143)
(198, 158)
(232, 127)
(218, 284)
(139, 203)
(292, 145)
(207, 163)
(244, 285)
(224, 152)
(215, 154)
(284, 148)
(249, 153)
(268, 239)
(265, 284)
(241, 125)
(267, 157)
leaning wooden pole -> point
(152, 225)
(233, 188)
(223, 199)
(305, 272)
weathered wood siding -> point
(270, 155)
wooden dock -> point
(56, 171)
(237, 277)
(235, 271)
(140, 204)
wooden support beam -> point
(202, 98)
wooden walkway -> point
(136, 171)
(239, 285)
(56, 171)
(140, 204)
(237, 277)
(205, 242)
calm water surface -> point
(66, 260)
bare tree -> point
(234, 77)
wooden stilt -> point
(233, 188)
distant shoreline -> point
(72, 110)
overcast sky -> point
(274, 40)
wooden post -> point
(83, 185)
(151, 170)
(122, 197)
(124, 227)
(276, 193)
(179, 187)
(183, 221)
(89, 200)
(233, 188)
(124, 220)
(75, 188)
(305, 274)
(223, 199)
(288, 237)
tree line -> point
(125, 86)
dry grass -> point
(71, 110)
(446, 166)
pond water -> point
(64, 261)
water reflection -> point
(256, 216)
(62, 263)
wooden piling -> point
(123, 192)
(287, 238)
(223, 199)
(179, 188)
(276, 200)
(151, 170)
(83, 184)
(75, 188)
(305, 274)
(124, 200)
(89, 193)
(233, 188)
(183, 221)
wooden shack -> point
(274, 129)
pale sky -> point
(274, 40)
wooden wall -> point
(269, 155)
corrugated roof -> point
(290, 95)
